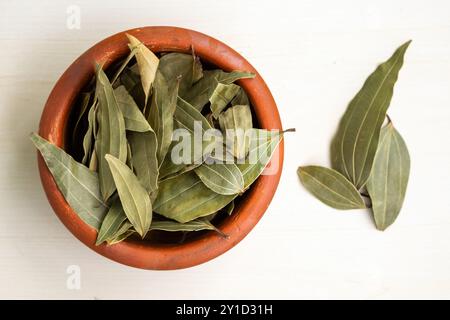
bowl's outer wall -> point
(140, 254)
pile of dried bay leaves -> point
(368, 160)
(126, 181)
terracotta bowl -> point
(149, 255)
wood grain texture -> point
(314, 60)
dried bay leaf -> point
(134, 119)
(355, 143)
(199, 94)
(111, 137)
(187, 66)
(263, 144)
(78, 184)
(147, 62)
(230, 77)
(235, 122)
(174, 226)
(134, 197)
(330, 187)
(186, 198)
(162, 109)
(240, 98)
(389, 177)
(111, 223)
(221, 97)
(169, 170)
(125, 230)
(187, 117)
(143, 148)
(122, 67)
(221, 178)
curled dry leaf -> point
(134, 119)
(236, 122)
(221, 97)
(147, 62)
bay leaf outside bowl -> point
(148, 255)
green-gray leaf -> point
(221, 97)
(221, 178)
(111, 137)
(147, 62)
(111, 223)
(164, 103)
(145, 162)
(263, 144)
(186, 198)
(199, 94)
(174, 226)
(355, 143)
(125, 230)
(134, 119)
(122, 67)
(175, 64)
(330, 187)
(235, 121)
(202, 91)
(240, 98)
(78, 184)
(230, 77)
(186, 117)
(134, 197)
(389, 177)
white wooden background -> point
(314, 56)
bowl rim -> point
(137, 253)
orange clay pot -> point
(145, 254)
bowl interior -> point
(74, 147)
